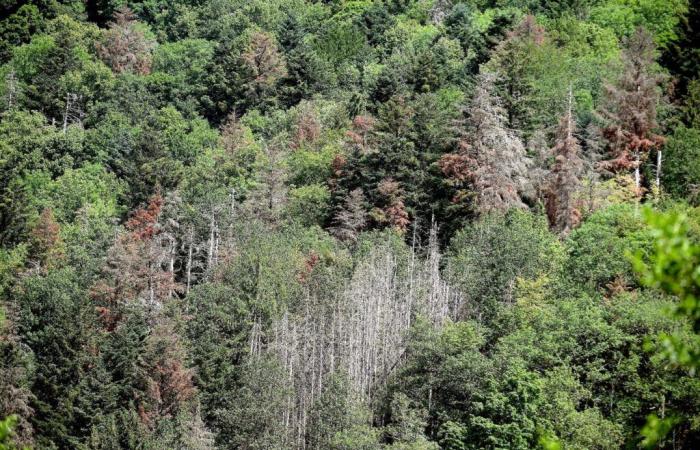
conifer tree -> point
(512, 59)
(264, 63)
(630, 109)
(15, 397)
(565, 182)
(125, 47)
(45, 241)
(394, 211)
(489, 155)
(351, 218)
(139, 266)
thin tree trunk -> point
(637, 174)
(210, 256)
(189, 261)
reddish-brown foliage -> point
(264, 60)
(45, 240)
(489, 158)
(308, 127)
(630, 108)
(309, 263)
(136, 266)
(360, 134)
(143, 222)
(125, 48)
(457, 166)
(528, 29)
(395, 210)
(563, 209)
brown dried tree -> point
(264, 62)
(125, 47)
(45, 249)
(234, 136)
(307, 126)
(565, 182)
(352, 218)
(139, 265)
(394, 212)
(361, 134)
(170, 387)
(630, 109)
(489, 156)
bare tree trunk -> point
(65, 113)
(189, 260)
(637, 174)
(210, 255)
(171, 265)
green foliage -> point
(489, 256)
(88, 187)
(673, 269)
(7, 426)
(179, 71)
(309, 204)
(660, 18)
(681, 172)
(18, 29)
(55, 316)
(53, 65)
(597, 250)
(210, 212)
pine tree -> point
(125, 47)
(561, 201)
(630, 109)
(489, 155)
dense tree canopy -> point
(371, 224)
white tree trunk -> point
(637, 175)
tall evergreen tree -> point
(489, 156)
(630, 109)
(565, 176)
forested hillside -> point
(349, 224)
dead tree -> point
(630, 110)
(360, 330)
(489, 156)
(562, 205)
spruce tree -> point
(562, 209)
(630, 109)
(490, 157)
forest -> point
(349, 224)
